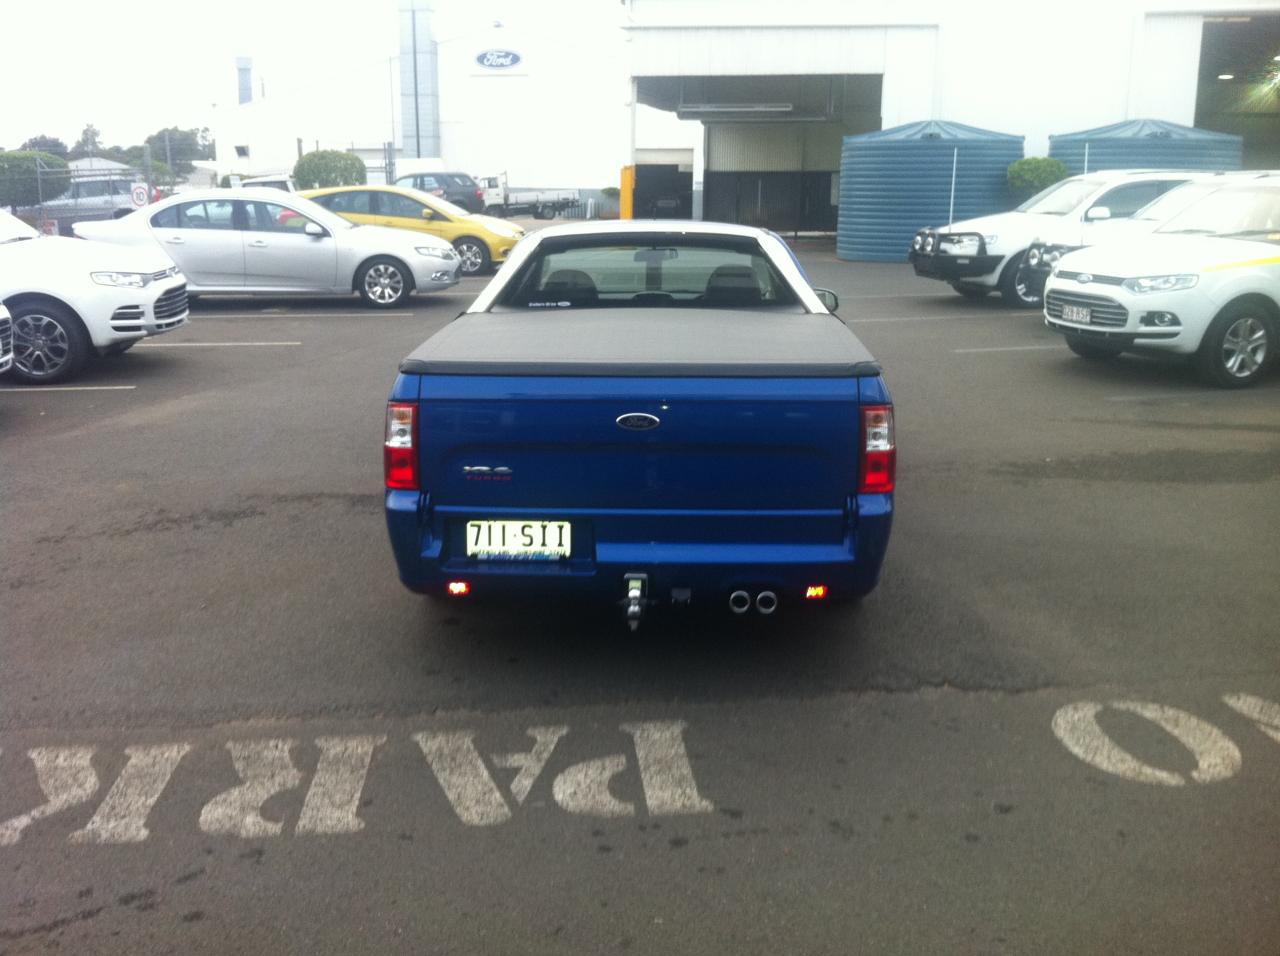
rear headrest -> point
(732, 286)
(571, 285)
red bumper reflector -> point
(815, 592)
(459, 588)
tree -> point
(184, 145)
(89, 143)
(28, 176)
(46, 144)
(1028, 176)
(329, 167)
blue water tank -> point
(899, 180)
(1146, 144)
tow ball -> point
(637, 586)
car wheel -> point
(383, 282)
(49, 343)
(1015, 288)
(119, 348)
(1095, 351)
(474, 255)
(1237, 347)
(971, 291)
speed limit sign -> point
(139, 193)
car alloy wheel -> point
(383, 283)
(41, 346)
(1244, 347)
(472, 257)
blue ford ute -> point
(644, 413)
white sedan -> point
(72, 300)
(1206, 284)
(268, 241)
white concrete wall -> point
(1000, 64)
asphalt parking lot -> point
(226, 728)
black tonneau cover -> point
(693, 343)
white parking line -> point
(39, 389)
(944, 318)
(1008, 348)
(276, 314)
(207, 345)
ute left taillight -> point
(879, 455)
(399, 449)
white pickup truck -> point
(501, 200)
(979, 256)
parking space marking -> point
(943, 318)
(276, 314)
(1009, 348)
(208, 345)
(1217, 757)
(271, 779)
(38, 389)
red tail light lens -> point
(399, 449)
(879, 457)
(815, 592)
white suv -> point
(979, 256)
(1205, 284)
(71, 299)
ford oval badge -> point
(638, 421)
(498, 59)
(1084, 278)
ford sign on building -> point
(498, 59)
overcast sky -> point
(131, 67)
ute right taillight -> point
(399, 449)
(878, 459)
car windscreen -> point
(460, 179)
(1060, 198)
(651, 271)
(440, 205)
(1175, 200)
(1244, 213)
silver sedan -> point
(265, 241)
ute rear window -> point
(652, 272)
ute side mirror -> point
(828, 299)
(1097, 213)
(315, 230)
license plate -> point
(1075, 313)
(528, 540)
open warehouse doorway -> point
(1239, 83)
(771, 143)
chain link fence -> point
(52, 199)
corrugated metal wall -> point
(894, 182)
(1147, 144)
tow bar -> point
(634, 603)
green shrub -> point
(328, 167)
(611, 192)
(1028, 176)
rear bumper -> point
(779, 554)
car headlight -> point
(917, 242)
(1160, 283)
(965, 245)
(1033, 256)
(133, 280)
(438, 252)
(1052, 255)
(928, 243)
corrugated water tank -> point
(896, 181)
(1146, 144)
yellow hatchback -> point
(483, 242)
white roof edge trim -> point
(772, 246)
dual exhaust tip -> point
(740, 602)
